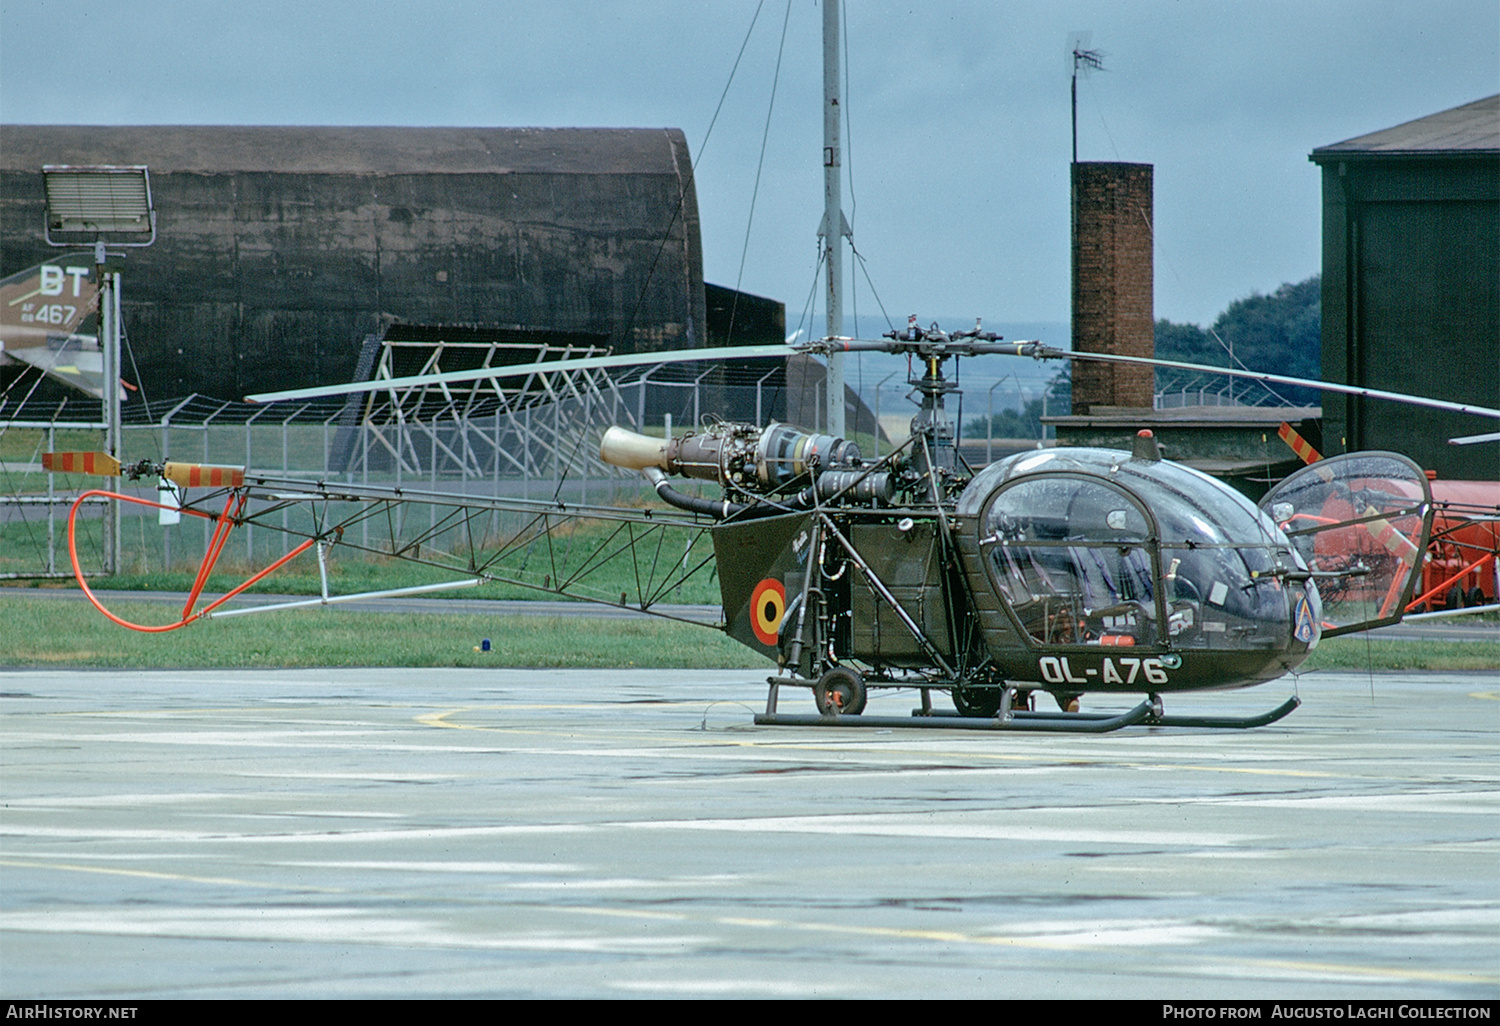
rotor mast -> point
(834, 227)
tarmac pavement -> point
(560, 833)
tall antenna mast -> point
(1079, 55)
(834, 226)
(1089, 60)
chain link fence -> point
(534, 442)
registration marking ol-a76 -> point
(1055, 670)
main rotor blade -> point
(523, 370)
(955, 347)
(1047, 352)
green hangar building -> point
(1411, 285)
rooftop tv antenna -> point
(1080, 55)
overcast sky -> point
(958, 138)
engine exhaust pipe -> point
(630, 451)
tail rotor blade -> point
(100, 464)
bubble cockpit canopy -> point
(1096, 547)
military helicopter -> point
(1065, 570)
(1062, 571)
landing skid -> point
(1148, 713)
(1232, 722)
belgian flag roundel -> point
(767, 606)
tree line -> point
(1280, 333)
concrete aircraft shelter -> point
(280, 249)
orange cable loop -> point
(225, 523)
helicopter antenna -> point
(1090, 60)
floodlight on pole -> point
(97, 201)
(102, 205)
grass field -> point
(45, 632)
(42, 632)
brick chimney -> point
(1112, 283)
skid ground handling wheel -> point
(840, 695)
(840, 692)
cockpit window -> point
(1219, 561)
(1055, 508)
(1147, 555)
(1072, 558)
(1175, 498)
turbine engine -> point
(750, 460)
(742, 456)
